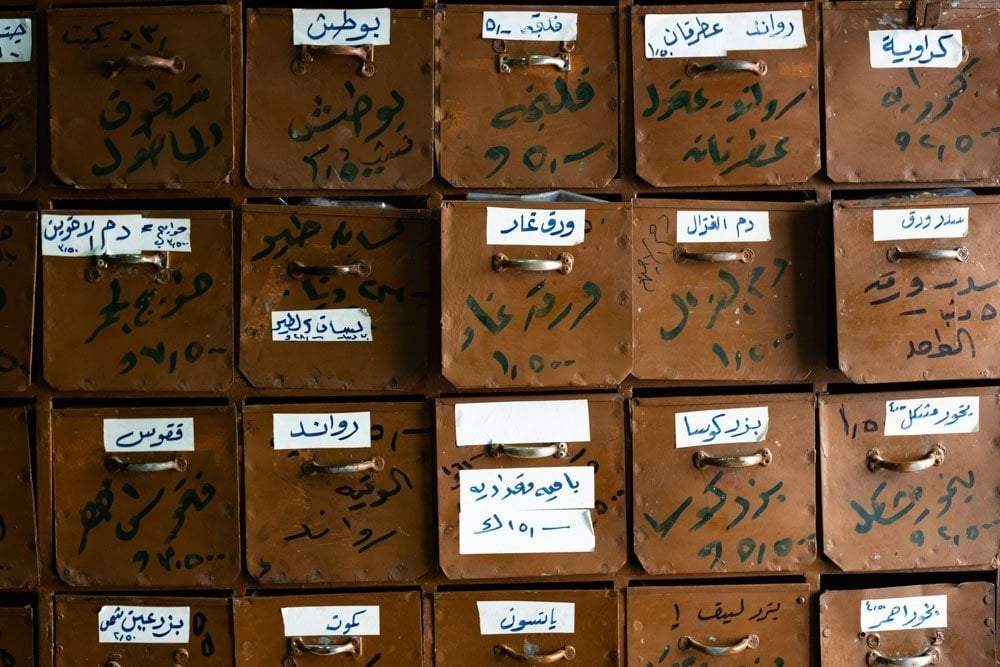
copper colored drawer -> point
(18, 537)
(18, 242)
(18, 100)
(17, 636)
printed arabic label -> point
(522, 422)
(892, 224)
(511, 617)
(723, 226)
(340, 27)
(120, 624)
(715, 34)
(530, 26)
(74, 235)
(166, 234)
(545, 488)
(15, 40)
(341, 620)
(525, 532)
(915, 48)
(329, 325)
(149, 435)
(932, 416)
(913, 613)
(324, 430)
(539, 227)
(719, 427)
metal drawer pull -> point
(311, 467)
(745, 256)
(506, 62)
(929, 657)
(360, 269)
(563, 263)
(113, 68)
(933, 458)
(365, 53)
(556, 450)
(896, 253)
(325, 646)
(761, 458)
(157, 260)
(566, 653)
(118, 464)
(694, 70)
(748, 642)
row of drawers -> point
(146, 98)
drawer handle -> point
(158, 260)
(325, 646)
(311, 467)
(933, 458)
(118, 464)
(694, 70)
(930, 656)
(566, 653)
(744, 256)
(563, 263)
(556, 450)
(748, 642)
(365, 53)
(896, 253)
(506, 62)
(761, 458)
(113, 68)
(361, 269)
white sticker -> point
(522, 422)
(121, 624)
(73, 235)
(525, 532)
(341, 620)
(340, 27)
(932, 416)
(530, 26)
(149, 435)
(723, 226)
(324, 430)
(915, 48)
(15, 40)
(895, 224)
(543, 488)
(166, 234)
(524, 226)
(333, 324)
(715, 34)
(511, 617)
(718, 427)
(913, 613)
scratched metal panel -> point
(395, 246)
(737, 128)
(564, 329)
(346, 526)
(260, 637)
(18, 535)
(178, 528)
(459, 643)
(545, 128)
(17, 636)
(18, 117)
(121, 329)
(917, 319)
(18, 240)
(757, 518)
(210, 642)
(323, 124)
(733, 321)
(947, 515)
(969, 639)
(911, 124)
(605, 452)
(156, 122)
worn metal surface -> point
(18, 240)
(123, 330)
(327, 126)
(521, 328)
(916, 319)
(18, 537)
(176, 529)
(17, 636)
(396, 292)
(144, 126)
(18, 118)
(531, 127)
(733, 321)
(914, 124)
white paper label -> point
(511, 617)
(913, 613)
(894, 224)
(530, 26)
(723, 226)
(74, 235)
(523, 226)
(340, 27)
(341, 620)
(932, 416)
(120, 624)
(545, 488)
(166, 234)
(718, 427)
(522, 422)
(715, 34)
(15, 40)
(334, 324)
(323, 430)
(915, 48)
(525, 532)
(149, 435)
